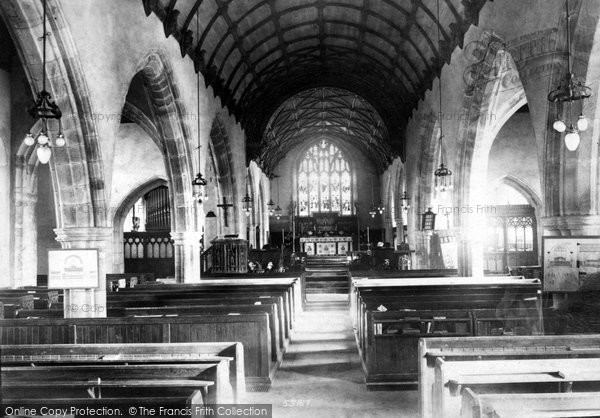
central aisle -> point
(321, 374)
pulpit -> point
(229, 256)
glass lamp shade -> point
(42, 139)
(582, 123)
(60, 140)
(443, 179)
(572, 140)
(43, 154)
(29, 140)
(247, 211)
(559, 126)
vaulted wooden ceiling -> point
(256, 54)
(325, 111)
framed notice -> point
(73, 269)
(569, 262)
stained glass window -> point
(324, 181)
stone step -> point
(326, 283)
(326, 278)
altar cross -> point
(225, 206)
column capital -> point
(571, 225)
(186, 237)
(83, 236)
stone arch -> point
(121, 211)
(488, 103)
(571, 193)
(528, 193)
(222, 159)
(77, 169)
(173, 132)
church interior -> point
(300, 208)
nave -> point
(321, 373)
(182, 181)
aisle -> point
(321, 375)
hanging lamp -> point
(569, 90)
(44, 108)
(443, 175)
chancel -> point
(318, 208)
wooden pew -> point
(423, 300)
(12, 304)
(226, 288)
(530, 376)
(527, 405)
(288, 286)
(231, 355)
(130, 279)
(112, 404)
(397, 274)
(113, 380)
(161, 299)
(496, 348)
(397, 333)
(278, 341)
(252, 330)
(43, 298)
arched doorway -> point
(147, 242)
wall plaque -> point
(73, 269)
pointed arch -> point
(169, 117)
(120, 213)
(77, 169)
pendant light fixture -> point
(278, 211)
(373, 210)
(247, 201)
(199, 183)
(568, 91)
(443, 175)
(271, 206)
(405, 199)
(44, 108)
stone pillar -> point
(389, 231)
(187, 256)
(87, 303)
(399, 232)
(25, 240)
(5, 157)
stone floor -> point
(321, 374)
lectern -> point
(229, 255)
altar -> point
(326, 245)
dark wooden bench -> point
(526, 405)
(227, 289)
(43, 298)
(496, 348)
(130, 280)
(112, 380)
(289, 287)
(12, 304)
(116, 305)
(530, 376)
(390, 360)
(252, 330)
(278, 340)
(229, 356)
